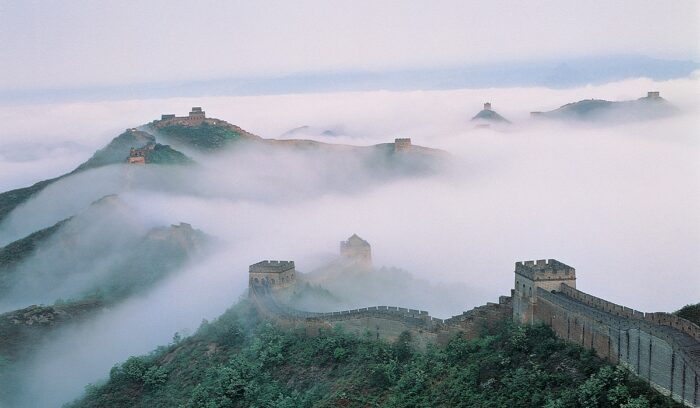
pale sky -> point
(57, 44)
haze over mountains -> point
(165, 165)
(433, 218)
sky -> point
(78, 44)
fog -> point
(617, 202)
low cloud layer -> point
(619, 203)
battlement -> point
(271, 267)
(167, 116)
(545, 269)
(487, 106)
(658, 318)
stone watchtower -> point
(356, 250)
(196, 115)
(487, 106)
(271, 275)
(547, 274)
(402, 144)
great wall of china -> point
(659, 348)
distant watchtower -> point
(653, 94)
(196, 115)
(402, 145)
(530, 275)
(487, 106)
(356, 250)
(139, 156)
(271, 275)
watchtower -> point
(196, 115)
(653, 94)
(402, 145)
(271, 275)
(487, 106)
(547, 274)
(138, 156)
(356, 250)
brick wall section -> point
(388, 322)
(657, 347)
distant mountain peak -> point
(489, 116)
(651, 106)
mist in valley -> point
(616, 201)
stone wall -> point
(388, 322)
(660, 348)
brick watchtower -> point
(196, 115)
(529, 275)
(271, 275)
(356, 250)
(402, 144)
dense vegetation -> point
(690, 312)
(164, 154)
(204, 137)
(241, 360)
(117, 150)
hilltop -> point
(208, 134)
(652, 106)
(117, 151)
(488, 116)
(202, 135)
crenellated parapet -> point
(659, 318)
(678, 323)
(545, 269)
(602, 304)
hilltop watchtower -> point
(271, 275)
(653, 94)
(529, 276)
(487, 106)
(196, 115)
(139, 156)
(356, 250)
(402, 144)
